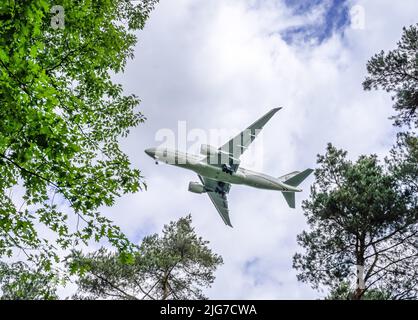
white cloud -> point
(222, 64)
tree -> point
(175, 265)
(359, 215)
(19, 282)
(61, 118)
(397, 72)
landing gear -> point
(156, 162)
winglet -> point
(264, 119)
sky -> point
(201, 67)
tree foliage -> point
(176, 265)
(359, 213)
(19, 282)
(397, 72)
(403, 162)
(60, 120)
(345, 292)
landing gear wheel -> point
(226, 169)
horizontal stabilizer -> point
(290, 198)
(298, 178)
(288, 176)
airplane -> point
(219, 168)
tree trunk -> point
(358, 293)
(165, 286)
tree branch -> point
(115, 287)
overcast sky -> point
(221, 65)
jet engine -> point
(196, 187)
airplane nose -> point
(150, 152)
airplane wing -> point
(237, 145)
(217, 191)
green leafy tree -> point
(359, 214)
(175, 265)
(397, 72)
(19, 282)
(61, 118)
(345, 292)
(403, 162)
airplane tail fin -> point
(294, 179)
(290, 198)
(288, 176)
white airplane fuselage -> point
(199, 165)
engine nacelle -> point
(208, 150)
(196, 187)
